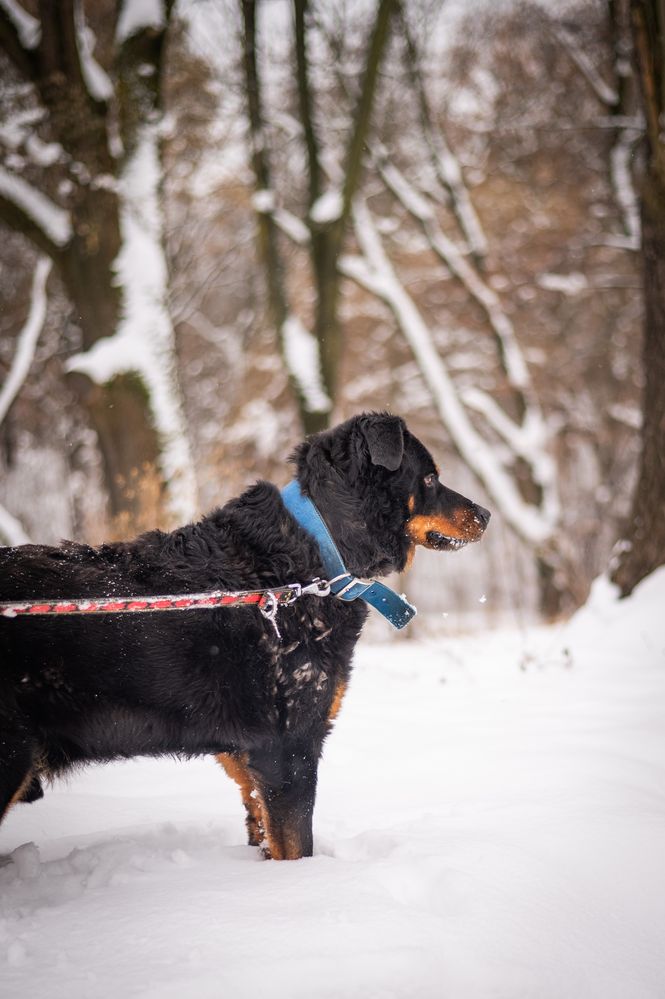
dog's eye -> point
(430, 480)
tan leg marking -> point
(23, 787)
(340, 691)
(237, 769)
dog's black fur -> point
(80, 689)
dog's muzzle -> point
(442, 543)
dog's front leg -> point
(285, 777)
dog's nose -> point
(483, 516)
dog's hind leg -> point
(285, 777)
(31, 790)
(235, 765)
(16, 766)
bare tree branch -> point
(446, 165)
(300, 8)
(356, 148)
(512, 359)
(606, 94)
(10, 527)
(27, 338)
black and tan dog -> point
(81, 689)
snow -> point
(263, 201)
(136, 15)
(327, 208)
(489, 823)
(52, 219)
(43, 153)
(568, 284)
(622, 181)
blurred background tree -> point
(407, 205)
(643, 547)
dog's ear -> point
(384, 435)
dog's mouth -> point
(442, 543)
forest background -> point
(225, 224)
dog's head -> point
(378, 489)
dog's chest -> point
(306, 666)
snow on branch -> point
(10, 527)
(27, 338)
(446, 164)
(622, 182)
(449, 172)
(145, 341)
(291, 226)
(374, 272)
(27, 27)
(97, 82)
(53, 221)
(527, 440)
(606, 95)
(511, 355)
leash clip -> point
(268, 607)
(319, 587)
(270, 602)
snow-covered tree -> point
(312, 358)
(80, 178)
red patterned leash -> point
(268, 602)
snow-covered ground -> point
(490, 823)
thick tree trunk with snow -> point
(643, 547)
(104, 233)
(118, 410)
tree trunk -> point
(119, 411)
(644, 547)
(326, 238)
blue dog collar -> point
(344, 585)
